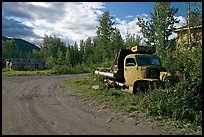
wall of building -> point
(196, 36)
(26, 66)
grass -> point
(157, 104)
(6, 72)
(84, 85)
(60, 70)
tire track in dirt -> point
(39, 105)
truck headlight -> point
(153, 73)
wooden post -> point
(189, 31)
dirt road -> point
(40, 105)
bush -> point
(182, 99)
(67, 69)
(189, 63)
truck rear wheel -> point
(141, 87)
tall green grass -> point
(174, 105)
(6, 72)
(58, 69)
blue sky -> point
(74, 21)
(123, 9)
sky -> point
(75, 21)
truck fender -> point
(143, 84)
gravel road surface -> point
(40, 105)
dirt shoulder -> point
(41, 105)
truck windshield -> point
(144, 60)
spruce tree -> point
(159, 28)
(67, 57)
(104, 33)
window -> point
(130, 62)
(146, 60)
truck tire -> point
(141, 87)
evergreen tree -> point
(89, 51)
(50, 46)
(132, 41)
(60, 57)
(159, 28)
(50, 62)
(10, 50)
(74, 54)
(67, 57)
(104, 33)
(81, 51)
(36, 54)
(116, 43)
(196, 13)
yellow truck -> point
(134, 70)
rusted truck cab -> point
(138, 69)
(143, 71)
(134, 70)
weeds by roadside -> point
(171, 105)
(6, 72)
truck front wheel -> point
(141, 87)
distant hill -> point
(23, 45)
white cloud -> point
(128, 26)
(145, 15)
(78, 21)
(172, 36)
(42, 4)
(94, 5)
(129, 16)
(72, 21)
(131, 27)
(182, 21)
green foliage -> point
(9, 50)
(81, 52)
(50, 62)
(131, 41)
(67, 57)
(180, 101)
(60, 57)
(173, 104)
(159, 28)
(7, 72)
(108, 40)
(22, 45)
(74, 54)
(190, 64)
(67, 69)
(36, 54)
(50, 46)
(196, 13)
(182, 98)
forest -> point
(183, 96)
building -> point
(25, 64)
(195, 33)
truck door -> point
(130, 71)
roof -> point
(186, 27)
(27, 60)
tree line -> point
(108, 41)
(91, 51)
(180, 100)
(100, 50)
